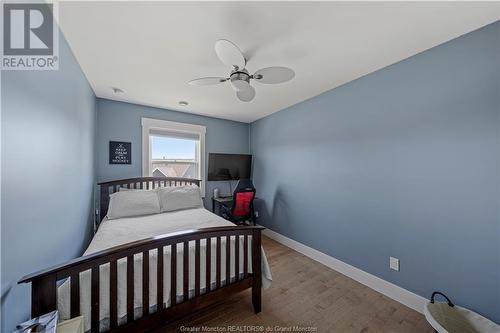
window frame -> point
(157, 125)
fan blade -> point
(247, 94)
(229, 54)
(274, 75)
(207, 81)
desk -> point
(220, 201)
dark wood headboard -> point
(146, 183)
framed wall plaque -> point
(120, 152)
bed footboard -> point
(44, 283)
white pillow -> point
(179, 197)
(133, 203)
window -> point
(173, 157)
(173, 149)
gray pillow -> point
(179, 197)
(133, 203)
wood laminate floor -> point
(307, 295)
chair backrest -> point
(243, 196)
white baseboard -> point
(388, 289)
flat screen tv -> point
(229, 166)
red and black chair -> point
(241, 207)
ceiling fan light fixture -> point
(239, 84)
(239, 80)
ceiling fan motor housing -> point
(239, 80)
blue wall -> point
(48, 123)
(402, 162)
(122, 122)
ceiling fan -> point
(239, 77)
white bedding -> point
(124, 230)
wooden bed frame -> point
(44, 283)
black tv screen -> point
(229, 166)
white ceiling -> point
(152, 49)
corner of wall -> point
(249, 129)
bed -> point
(112, 295)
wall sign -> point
(120, 152)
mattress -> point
(120, 231)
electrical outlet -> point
(256, 214)
(394, 263)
